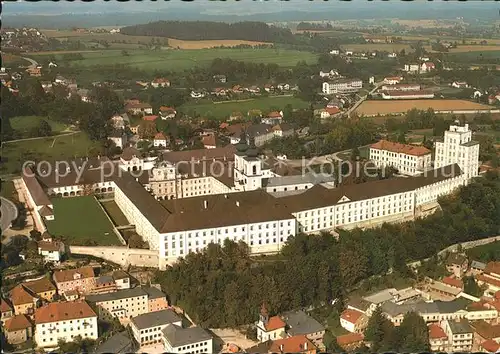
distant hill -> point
(206, 30)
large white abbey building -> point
(254, 204)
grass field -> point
(176, 60)
(389, 47)
(13, 60)
(386, 107)
(177, 43)
(225, 109)
(485, 253)
(61, 147)
(80, 219)
(115, 213)
(8, 190)
(474, 57)
(24, 124)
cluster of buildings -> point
(342, 86)
(239, 89)
(457, 321)
(180, 202)
(71, 303)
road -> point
(361, 99)
(34, 63)
(8, 213)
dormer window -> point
(77, 276)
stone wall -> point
(121, 255)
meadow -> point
(24, 124)
(81, 219)
(222, 110)
(14, 154)
(178, 60)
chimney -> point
(237, 203)
(305, 346)
(281, 347)
(205, 204)
(225, 196)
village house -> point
(23, 301)
(18, 329)
(329, 74)
(335, 52)
(459, 84)
(427, 67)
(220, 78)
(43, 288)
(6, 310)
(133, 302)
(157, 300)
(160, 82)
(160, 140)
(269, 88)
(438, 339)
(219, 91)
(119, 121)
(147, 328)
(149, 118)
(137, 108)
(51, 250)
(393, 80)
(294, 344)
(392, 55)
(282, 130)
(237, 89)
(298, 323)
(269, 328)
(64, 320)
(329, 112)
(122, 279)
(351, 341)
(283, 87)
(254, 89)
(353, 321)
(457, 264)
(460, 335)
(36, 72)
(273, 118)
(411, 68)
(167, 112)
(197, 94)
(81, 279)
(104, 284)
(477, 267)
(209, 141)
(177, 339)
(490, 277)
(119, 138)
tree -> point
(412, 334)
(378, 330)
(471, 287)
(44, 128)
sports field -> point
(387, 107)
(223, 109)
(177, 60)
(59, 147)
(81, 219)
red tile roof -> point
(332, 110)
(274, 114)
(492, 267)
(401, 148)
(497, 295)
(68, 275)
(351, 315)
(430, 64)
(17, 323)
(160, 136)
(452, 281)
(49, 246)
(488, 280)
(490, 346)
(5, 306)
(19, 296)
(151, 118)
(436, 332)
(160, 80)
(350, 338)
(39, 286)
(275, 323)
(295, 344)
(209, 140)
(63, 311)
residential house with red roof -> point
(24, 301)
(160, 140)
(273, 118)
(269, 328)
(150, 118)
(64, 320)
(6, 310)
(18, 329)
(438, 339)
(167, 112)
(137, 107)
(293, 344)
(81, 279)
(427, 66)
(160, 82)
(407, 159)
(353, 321)
(490, 278)
(350, 341)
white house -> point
(330, 74)
(459, 84)
(269, 328)
(335, 51)
(160, 82)
(392, 55)
(186, 340)
(283, 87)
(342, 86)
(349, 52)
(427, 66)
(51, 251)
(458, 147)
(392, 80)
(197, 94)
(160, 140)
(412, 68)
(119, 138)
(147, 328)
(64, 320)
(407, 159)
(353, 320)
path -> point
(34, 63)
(41, 137)
(8, 213)
(361, 99)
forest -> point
(206, 30)
(224, 287)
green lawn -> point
(224, 109)
(81, 219)
(14, 154)
(485, 253)
(473, 57)
(24, 124)
(115, 213)
(8, 190)
(177, 60)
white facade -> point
(194, 346)
(405, 163)
(458, 147)
(119, 141)
(407, 96)
(47, 334)
(150, 335)
(160, 142)
(412, 68)
(342, 86)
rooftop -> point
(478, 265)
(293, 344)
(400, 148)
(350, 338)
(155, 319)
(178, 336)
(351, 315)
(119, 343)
(153, 293)
(299, 323)
(312, 178)
(17, 323)
(456, 259)
(62, 276)
(274, 323)
(486, 330)
(117, 295)
(40, 285)
(63, 311)
(492, 267)
(19, 296)
(461, 327)
(436, 332)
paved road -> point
(34, 63)
(361, 99)
(8, 213)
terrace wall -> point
(121, 255)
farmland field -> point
(177, 60)
(51, 148)
(475, 57)
(224, 109)
(81, 219)
(389, 47)
(177, 43)
(373, 108)
(24, 124)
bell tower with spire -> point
(248, 172)
(269, 328)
